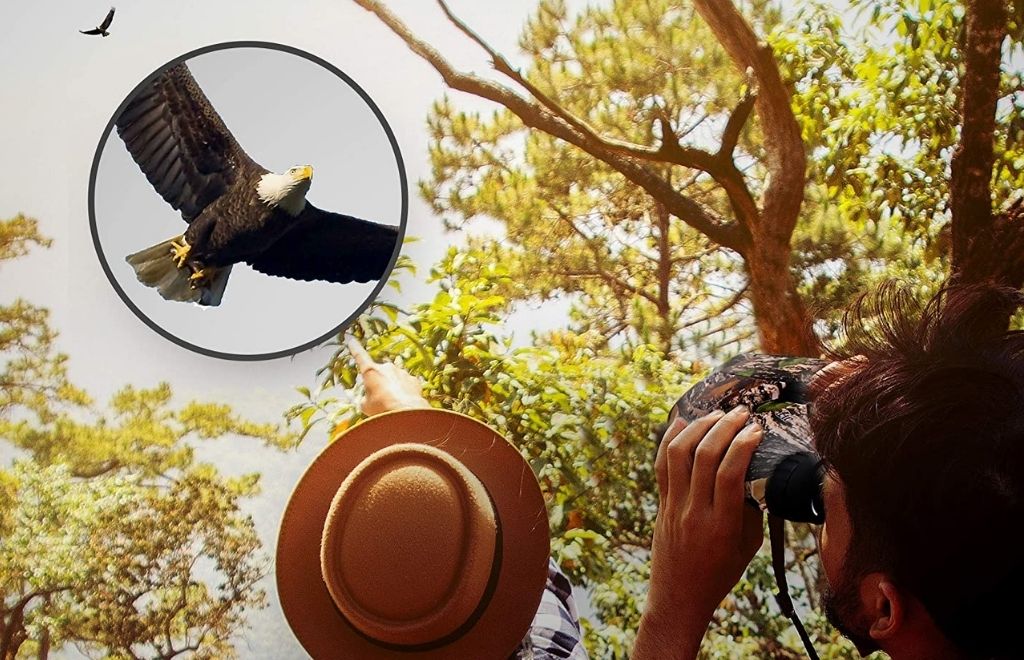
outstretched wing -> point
(108, 20)
(332, 247)
(92, 31)
(180, 142)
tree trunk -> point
(997, 254)
(987, 247)
(44, 645)
(971, 166)
(783, 325)
(14, 634)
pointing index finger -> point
(359, 354)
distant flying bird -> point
(102, 29)
(236, 210)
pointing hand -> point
(388, 386)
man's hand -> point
(705, 534)
(388, 386)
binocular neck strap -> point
(777, 539)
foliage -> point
(572, 225)
(33, 375)
(586, 420)
(113, 537)
(874, 91)
(113, 564)
(18, 234)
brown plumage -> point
(236, 210)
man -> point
(922, 436)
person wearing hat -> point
(421, 534)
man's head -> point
(923, 441)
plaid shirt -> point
(555, 631)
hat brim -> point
(525, 542)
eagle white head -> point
(286, 191)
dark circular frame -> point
(403, 220)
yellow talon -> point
(198, 279)
(179, 252)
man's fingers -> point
(729, 492)
(661, 459)
(709, 452)
(679, 455)
(359, 354)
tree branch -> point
(737, 119)
(616, 283)
(784, 147)
(719, 165)
(98, 469)
(669, 151)
(731, 235)
(14, 628)
(729, 304)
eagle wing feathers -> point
(180, 142)
(330, 246)
(107, 20)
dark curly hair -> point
(926, 433)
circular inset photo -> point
(247, 200)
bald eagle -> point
(102, 27)
(236, 210)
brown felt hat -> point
(415, 534)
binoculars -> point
(785, 474)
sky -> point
(61, 89)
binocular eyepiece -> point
(785, 475)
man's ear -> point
(884, 605)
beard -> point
(843, 611)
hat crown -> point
(408, 548)
(306, 556)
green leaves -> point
(17, 235)
(876, 93)
(585, 420)
(573, 227)
(112, 536)
(110, 562)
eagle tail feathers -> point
(155, 268)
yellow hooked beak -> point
(303, 173)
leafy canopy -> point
(113, 536)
